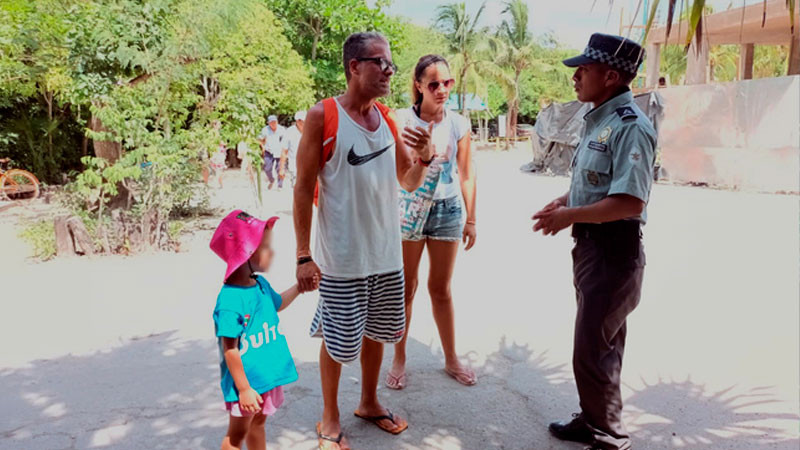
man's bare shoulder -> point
(315, 116)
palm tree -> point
(514, 49)
(463, 36)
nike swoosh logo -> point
(357, 160)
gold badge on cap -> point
(604, 135)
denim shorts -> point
(444, 220)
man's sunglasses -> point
(382, 63)
(433, 86)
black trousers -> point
(608, 264)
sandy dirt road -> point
(118, 352)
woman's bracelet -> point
(471, 222)
(428, 162)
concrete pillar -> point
(794, 54)
(697, 63)
(746, 52)
(653, 65)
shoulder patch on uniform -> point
(604, 135)
(626, 112)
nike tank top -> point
(358, 223)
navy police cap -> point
(616, 51)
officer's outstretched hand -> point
(555, 204)
(552, 219)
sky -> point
(571, 21)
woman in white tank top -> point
(444, 217)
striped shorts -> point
(350, 309)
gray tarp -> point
(742, 135)
(558, 130)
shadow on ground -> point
(685, 414)
(162, 392)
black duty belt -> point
(621, 229)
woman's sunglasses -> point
(433, 86)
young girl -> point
(255, 362)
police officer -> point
(612, 172)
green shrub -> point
(42, 238)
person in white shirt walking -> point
(273, 147)
(292, 140)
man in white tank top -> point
(357, 263)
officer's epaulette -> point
(626, 113)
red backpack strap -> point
(390, 117)
(330, 126)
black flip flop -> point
(336, 440)
(376, 420)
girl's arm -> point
(288, 296)
(466, 173)
(249, 399)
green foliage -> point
(673, 63)
(464, 37)
(318, 28)
(497, 101)
(35, 129)
(156, 74)
(41, 236)
(420, 41)
(175, 229)
(770, 61)
(25, 133)
(513, 49)
(218, 64)
(546, 82)
(724, 61)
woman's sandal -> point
(465, 376)
(322, 439)
(377, 421)
(395, 382)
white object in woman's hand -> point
(419, 140)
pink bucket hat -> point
(237, 237)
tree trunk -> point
(85, 145)
(317, 35)
(513, 108)
(109, 150)
(48, 96)
(511, 126)
(462, 91)
(80, 236)
(64, 244)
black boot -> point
(576, 430)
